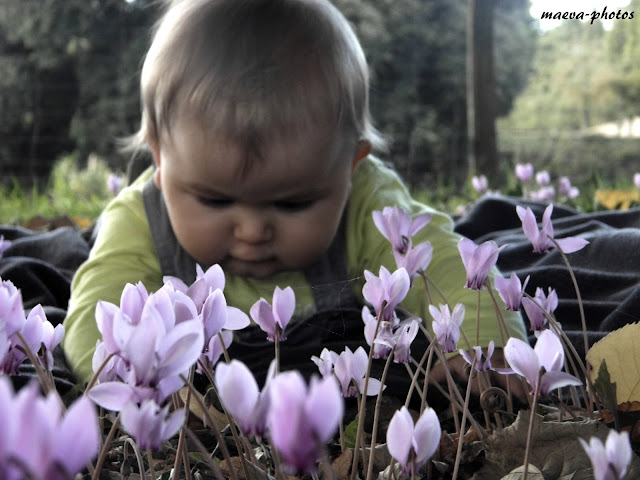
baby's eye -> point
(215, 202)
(293, 205)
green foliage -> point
(74, 192)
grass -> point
(80, 194)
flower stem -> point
(532, 418)
(214, 467)
(464, 421)
(105, 448)
(376, 414)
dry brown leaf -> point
(614, 199)
(621, 350)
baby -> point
(256, 114)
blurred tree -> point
(70, 74)
(71, 79)
(416, 50)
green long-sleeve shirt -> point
(124, 253)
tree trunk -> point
(481, 92)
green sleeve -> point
(123, 253)
(374, 187)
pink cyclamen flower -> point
(302, 420)
(543, 178)
(543, 194)
(541, 239)
(239, 393)
(412, 445)
(446, 325)
(114, 183)
(546, 358)
(38, 436)
(610, 461)
(386, 291)
(274, 319)
(478, 363)
(404, 335)
(396, 225)
(511, 290)
(536, 315)
(478, 260)
(201, 288)
(416, 259)
(156, 351)
(524, 172)
(350, 369)
(149, 424)
(480, 184)
(325, 361)
(384, 332)
(636, 179)
(565, 188)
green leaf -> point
(350, 433)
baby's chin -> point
(260, 269)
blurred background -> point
(462, 88)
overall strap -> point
(329, 276)
(174, 260)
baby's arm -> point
(123, 253)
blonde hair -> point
(251, 69)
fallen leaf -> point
(556, 451)
(621, 350)
(614, 199)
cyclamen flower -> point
(149, 424)
(636, 179)
(543, 178)
(37, 436)
(565, 188)
(511, 291)
(611, 460)
(446, 325)
(302, 420)
(114, 184)
(274, 319)
(547, 357)
(205, 283)
(396, 225)
(478, 260)
(165, 342)
(416, 259)
(524, 172)
(543, 194)
(412, 445)
(404, 335)
(35, 333)
(541, 239)
(480, 184)
(239, 393)
(537, 317)
(386, 291)
(325, 361)
(350, 369)
(477, 363)
(385, 332)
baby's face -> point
(281, 214)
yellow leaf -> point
(621, 350)
(612, 199)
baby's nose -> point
(253, 226)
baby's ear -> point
(362, 150)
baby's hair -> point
(254, 69)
